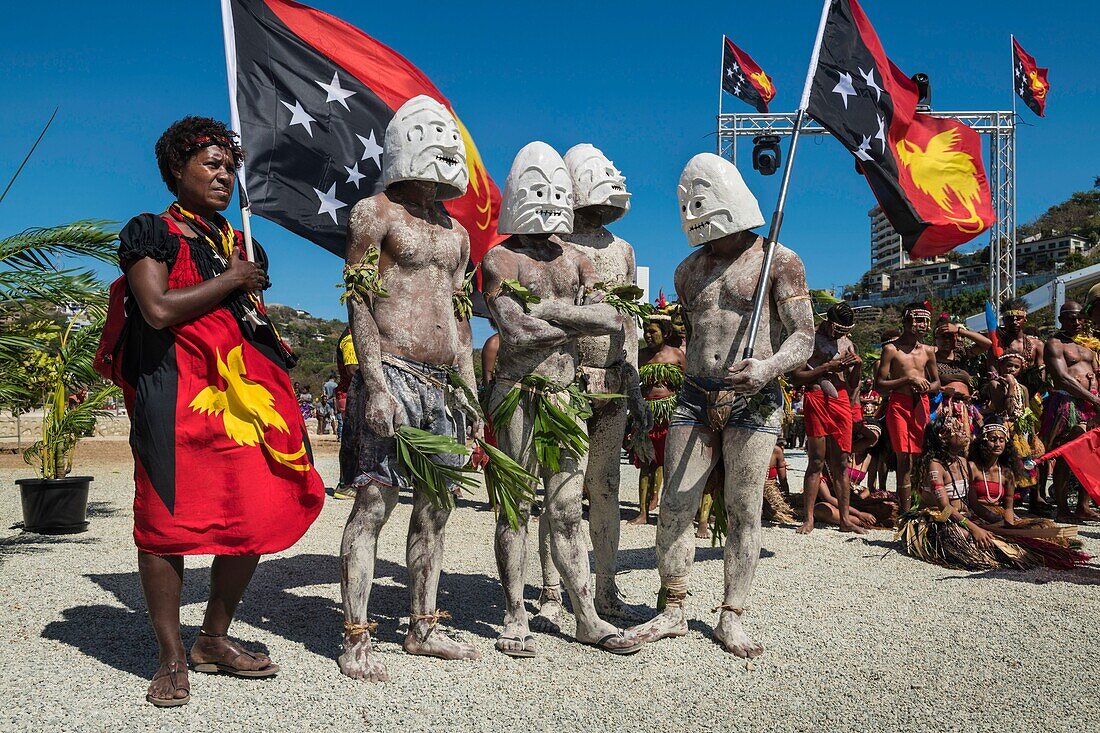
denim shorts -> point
(761, 412)
(422, 404)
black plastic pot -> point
(55, 506)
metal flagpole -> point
(777, 217)
(721, 71)
(1012, 56)
(235, 123)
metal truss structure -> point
(999, 126)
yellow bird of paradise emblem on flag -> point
(1038, 86)
(949, 176)
(764, 84)
(247, 409)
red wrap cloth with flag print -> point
(222, 460)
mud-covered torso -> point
(551, 272)
(418, 263)
(717, 293)
(612, 258)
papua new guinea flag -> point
(926, 172)
(1029, 79)
(315, 95)
(743, 78)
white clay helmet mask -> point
(597, 182)
(538, 195)
(714, 200)
(423, 143)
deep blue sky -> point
(638, 80)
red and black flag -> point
(1029, 80)
(743, 78)
(926, 172)
(315, 95)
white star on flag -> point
(329, 202)
(354, 176)
(298, 116)
(729, 72)
(863, 152)
(881, 134)
(869, 77)
(335, 92)
(844, 88)
(371, 149)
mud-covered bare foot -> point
(359, 663)
(731, 635)
(551, 610)
(427, 640)
(516, 640)
(611, 604)
(851, 527)
(170, 686)
(669, 622)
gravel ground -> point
(858, 637)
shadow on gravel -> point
(122, 638)
(646, 558)
(29, 543)
(1090, 535)
(1088, 575)
(102, 509)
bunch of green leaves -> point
(526, 297)
(657, 373)
(462, 299)
(508, 484)
(415, 449)
(721, 521)
(459, 384)
(363, 280)
(625, 299)
(555, 412)
(662, 409)
(1027, 423)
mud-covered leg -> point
(551, 609)
(606, 430)
(358, 551)
(570, 551)
(690, 454)
(424, 555)
(747, 454)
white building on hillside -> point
(886, 250)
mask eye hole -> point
(539, 194)
(698, 204)
(438, 129)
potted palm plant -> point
(42, 362)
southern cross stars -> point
(329, 202)
(371, 149)
(863, 152)
(299, 116)
(354, 176)
(844, 88)
(869, 78)
(335, 92)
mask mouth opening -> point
(448, 161)
(700, 225)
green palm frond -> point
(508, 484)
(34, 249)
(721, 521)
(62, 430)
(624, 298)
(657, 373)
(415, 448)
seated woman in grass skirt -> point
(944, 529)
(222, 460)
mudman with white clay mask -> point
(608, 364)
(403, 248)
(730, 408)
(538, 289)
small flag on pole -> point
(314, 96)
(743, 78)
(926, 172)
(1082, 455)
(1029, 80)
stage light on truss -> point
(924, 91)
(765, 154)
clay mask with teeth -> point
(714, 200)
(538, 195)
(423, 143)
(597, 182)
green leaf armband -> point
(363, 280)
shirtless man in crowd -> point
(831, 378)
(608, 365)
(730, 408)
(1012, 337)
(1073, 405)
(539, 339)
(403, 353)
(907, 371)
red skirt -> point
(828, 417)
(906, 419)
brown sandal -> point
(172, 669)
(224, 667)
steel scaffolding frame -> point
(999, 126)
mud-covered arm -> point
(366, 229)
(587, 315)
(636, 404)
(515, 327)
(464, 356)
